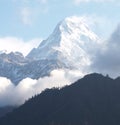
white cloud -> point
(26, 16)
(28, 1)
(36, 1)
(43, 1)
(13, 44)
(86, 1)
(29, 10)
(16, 95)
(98, 23)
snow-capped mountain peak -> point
(71, 41)
(72, 45)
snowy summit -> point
(71, 41)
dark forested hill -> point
(92, 100)
(5, 110)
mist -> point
(16, 95)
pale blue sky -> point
(32, 19)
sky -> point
(23, 21)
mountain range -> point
(92, 100)
(60, 50)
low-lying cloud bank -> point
(16, 95)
